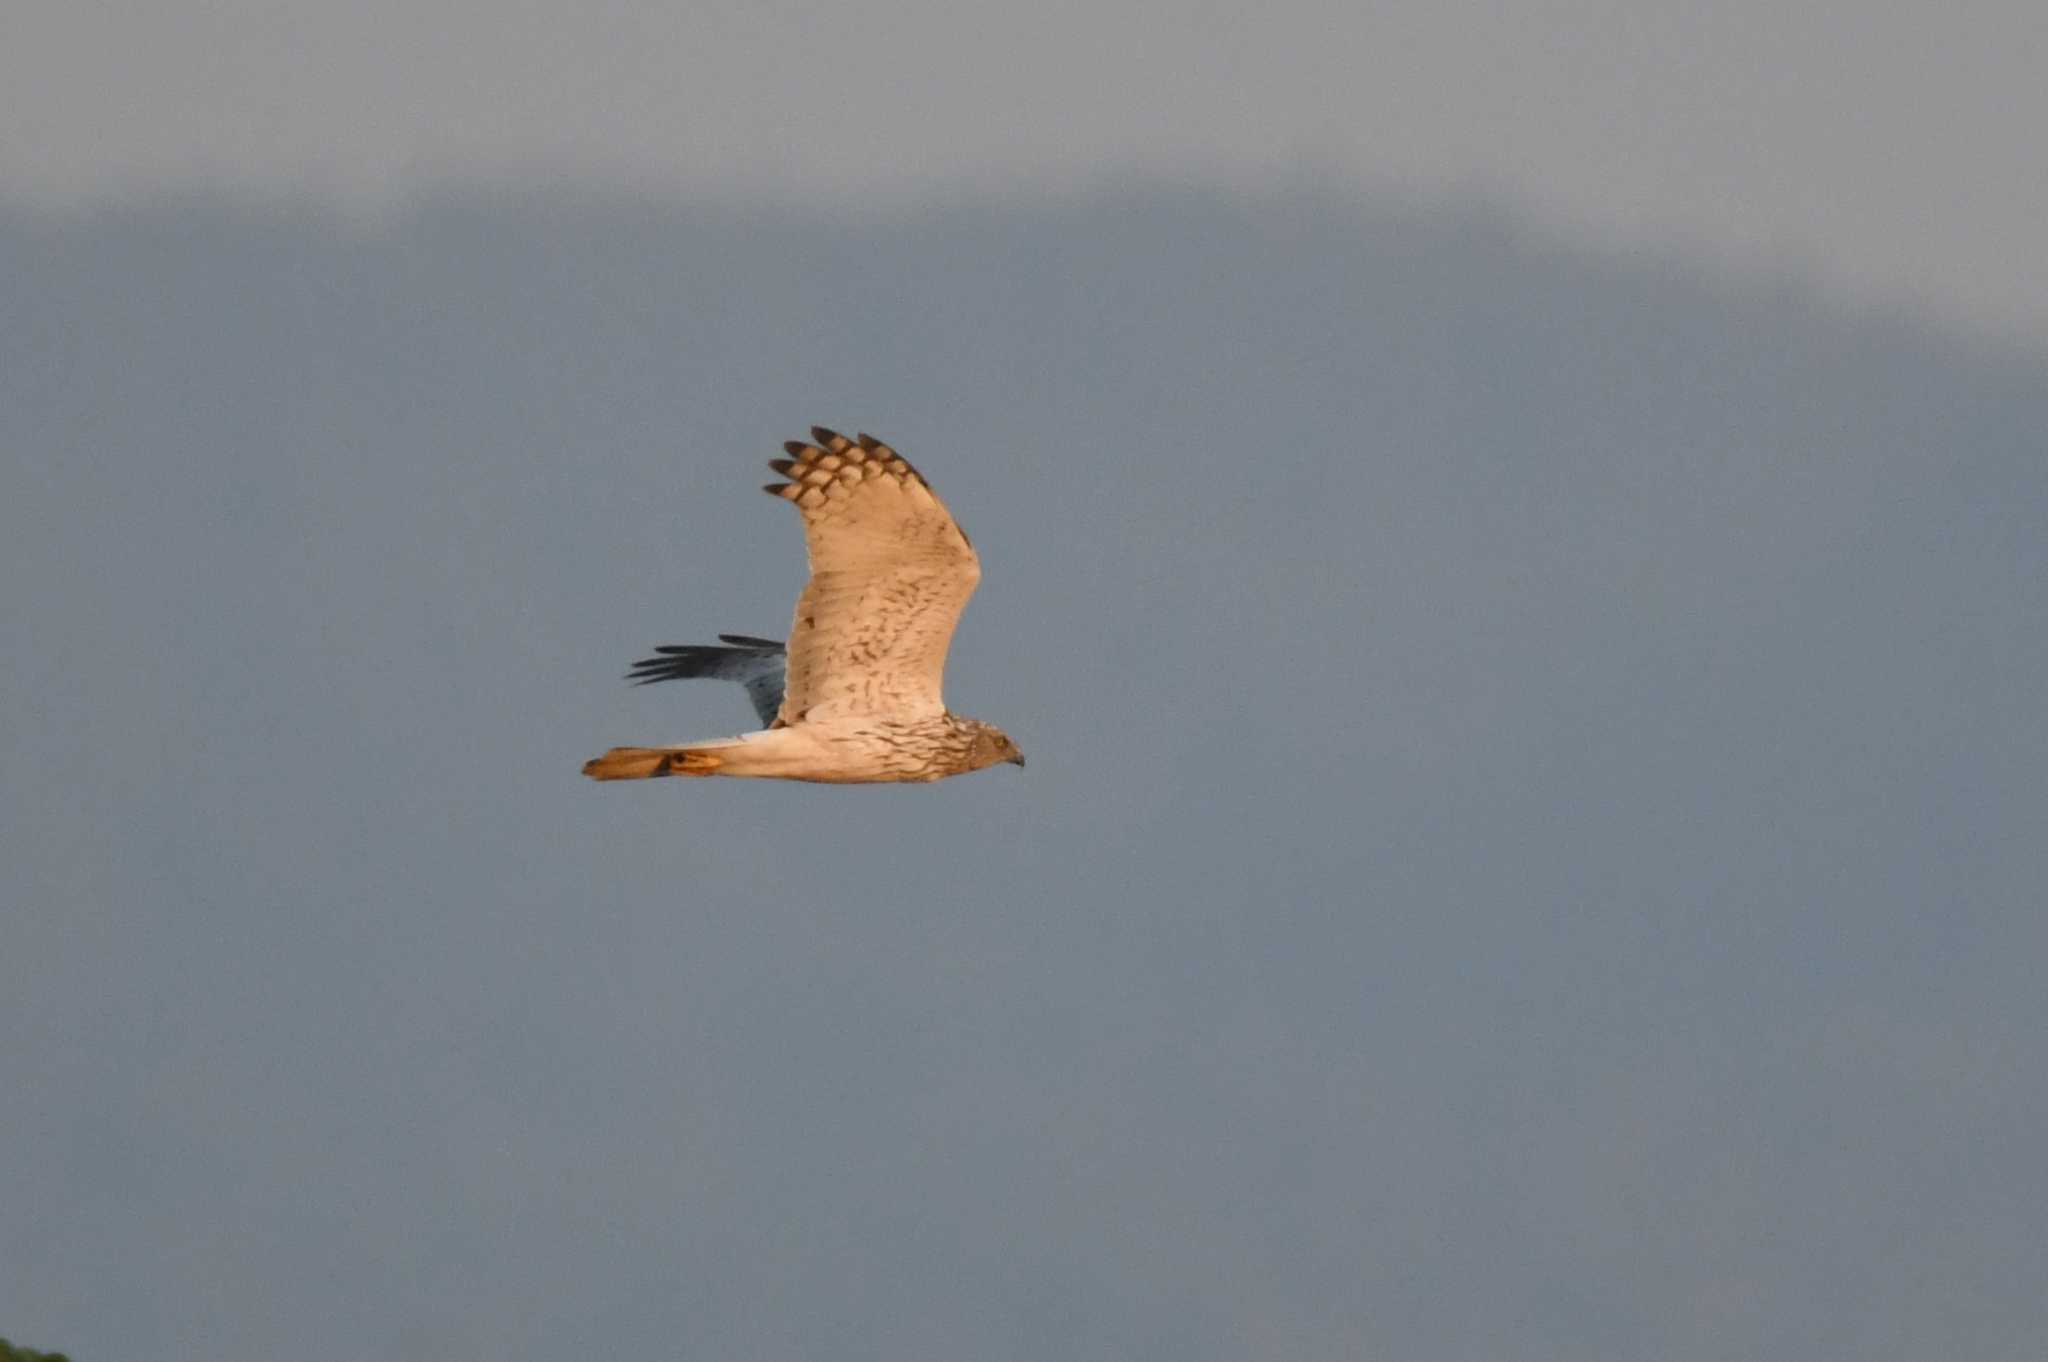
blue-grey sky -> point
(1532, 661)
(1891, 146)
(1532, 844)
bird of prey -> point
(855, 697)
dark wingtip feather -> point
(786, 467)
(680, 661)
(824, 435)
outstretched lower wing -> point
(890, 574)
(756, 663)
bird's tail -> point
(645, 763)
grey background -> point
(1532, 845)
(1891, 146)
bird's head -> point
(988, 745)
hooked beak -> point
(1017, 760)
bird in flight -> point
(854, 698)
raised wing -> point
(890, 573)
(755, 663)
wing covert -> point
(890, 574)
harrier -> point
(855, 699)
